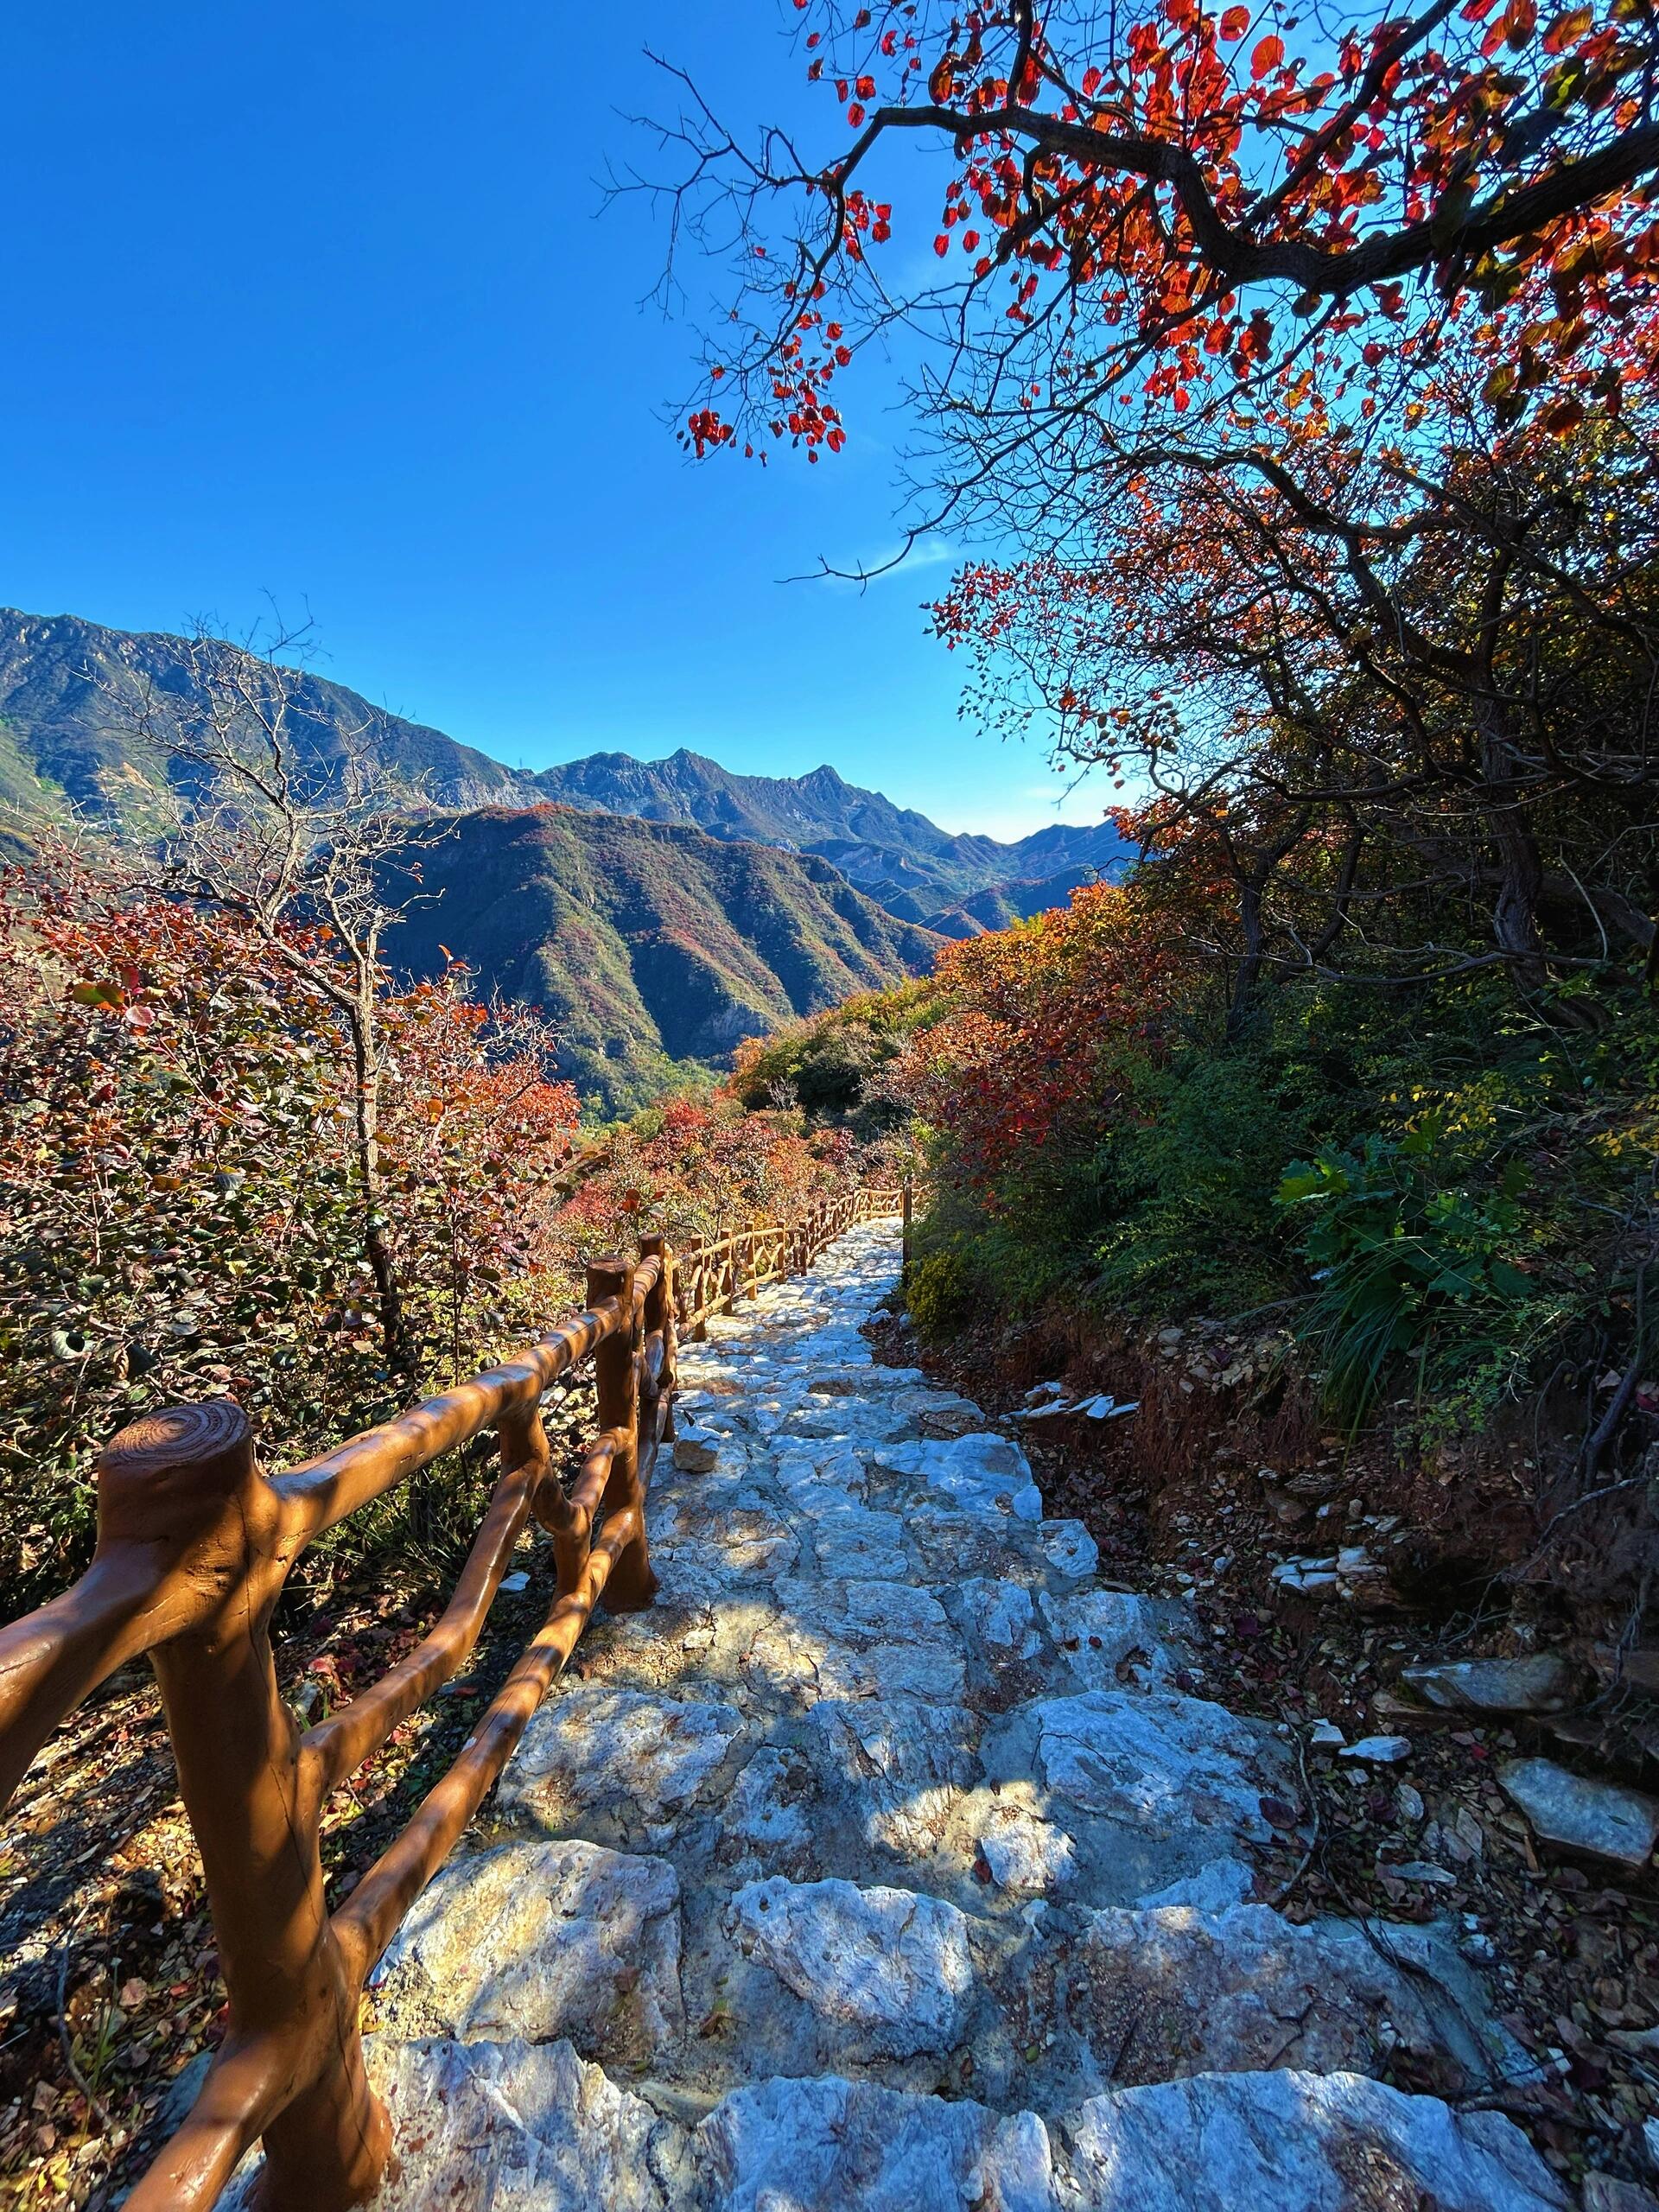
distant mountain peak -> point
(64, 739)
(914, 867)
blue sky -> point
(317, 300)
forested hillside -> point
(646, 942)
(193, 1205)
(88, 716)
(1324, 520)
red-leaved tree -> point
(1235, 210)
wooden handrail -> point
(194, 1545)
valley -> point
(647, 943)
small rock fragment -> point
(1542, 1683)
(1606, 2193)
(1598, 1818)
(1419, 1870)
(1379, 1750)
(1306, 1578)
(1025, 1854)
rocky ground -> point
(1517, 1799)
(892, 1861)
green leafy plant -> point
(1406, 1248)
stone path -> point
(882, 1867)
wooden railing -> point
(713, 1276)
(194, 1545)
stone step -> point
(519, 2127)
(1045, 2008)
(872, 1770)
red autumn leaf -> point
(1568, 29)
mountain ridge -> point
(72, 691)
(894, 853)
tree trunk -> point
(394, 1325)
(1520, 871)
(1248, 979)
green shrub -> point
(940, 1293)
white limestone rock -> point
(795, 1662)
(767, 1816)
(985, 1474)
(896, 1610)
(1597, 1817)
(758, 1545)
(1024, 1853)
(1170, 1991)
(709, 1542)
(1160, 1762)
(822, 1481)
(856, 1378)
(1099, 1631)
(1212, 1888)
(855, 1420)
(862, 1545)
(881, 1639)
(834, 2146)
(1296, 2142)
(1378, 1751)
(1071, 1548)
(634, 1758)
(1541, 1682)
(519, 2127)
(897, 1765)
(1000, 1629)
(543, 1940)
(888, 1974)
(951, 1547)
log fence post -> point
(660, 1314)
(616, 1379)
(189, 1476)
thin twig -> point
(95, 2103)
(1306, 1860)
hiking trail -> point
(881, 1866)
